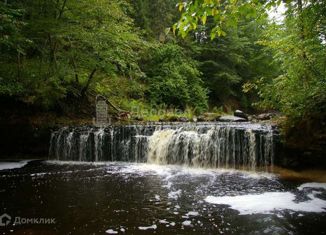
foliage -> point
(11, 25)
(225, 14)
(71, 45)
(297, 88)
(174, 79)
(229, 62)
(300, 50)
(57, 52)
(154, 16)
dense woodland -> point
(194, 56)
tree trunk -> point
(75, 70)
(89, 80)
(18, 65)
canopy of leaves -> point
(227, 63)
(55, 51)
(297, 47)
(174, 79)
(52, 49)
(225, 14)
(300, 50)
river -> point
(142, 198)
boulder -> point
(239, 113)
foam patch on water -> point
(192, 213)
(163, 221)
(145, 169)
(162, 170)
(312, 185)
(175, 194)
(270, 202)
(12, 165)
(111, 231)
(186, 223)
(57, 162)
(154, 226)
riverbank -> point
(25, 132)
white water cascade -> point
(214, 145)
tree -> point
(299, 46)
(65, 47)
(225, 14)
(173, 79)
(154, 16)
(228, 62)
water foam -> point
(12, 165)
(154, 226)
(270, 202)
(111, 231)
(312, 185)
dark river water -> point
(51, 197)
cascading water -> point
(214, 145)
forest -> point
(176, 57)
(163, 117)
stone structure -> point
(101, 111)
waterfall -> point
(98, 144)
(218, 145)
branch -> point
(90, 77)
(74, 63)
(62, 9)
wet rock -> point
(230, 118)
(239, 113)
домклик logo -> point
(5, 219)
